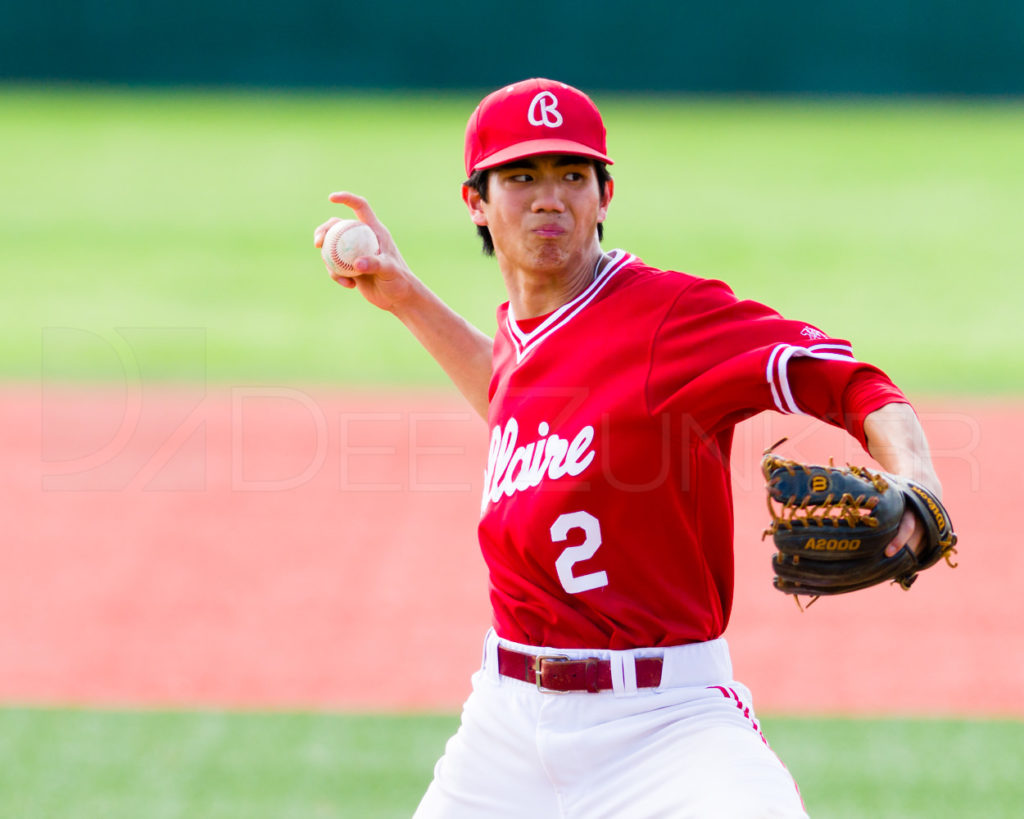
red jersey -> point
(607, 509)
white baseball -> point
(345, 242)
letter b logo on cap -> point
(544, 110)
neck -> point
(538, 291)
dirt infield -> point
(276, 547)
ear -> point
(609, 190)
(474, 201)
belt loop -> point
(623, 668)
(490, 658)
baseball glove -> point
(831, 527)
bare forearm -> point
(463, 351)
(385, 281)
(897, 441)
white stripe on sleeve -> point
(777, 371)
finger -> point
(365, 214)
(344, 279)
(363, 211)
(366, 264)
(371, 266)
(363, 266)
(321, 231)
(904, 535)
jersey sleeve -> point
(841, 395)
(718, 360)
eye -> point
(516, 175)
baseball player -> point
(611, 390)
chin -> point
(550, 256)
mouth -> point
(549, 231)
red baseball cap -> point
(534, 117)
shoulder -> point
(635, 273)
(687, 299)
(641, 289)
(687, 296)
(638, 274)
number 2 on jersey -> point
(572, 555)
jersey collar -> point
(611, 263)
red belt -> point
(556, 672)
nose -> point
(548, 198)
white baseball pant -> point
(690, 748)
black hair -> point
(478, 182)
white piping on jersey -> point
(615, 260)
(777, 371)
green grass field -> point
(895, 225)
(166, 765)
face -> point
(542, 211)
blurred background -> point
(240, 569)
(904, 47)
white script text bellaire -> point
(512, 468)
